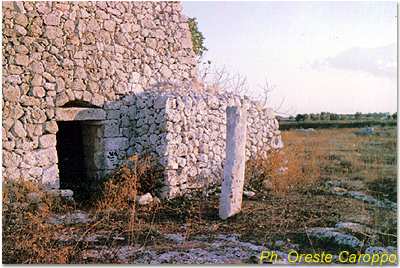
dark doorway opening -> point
(71, 159)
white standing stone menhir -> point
(233, 180)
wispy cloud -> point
(379, 61)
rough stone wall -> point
(56, 53)
(186, 132)
(196, 124)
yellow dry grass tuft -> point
(298, 164)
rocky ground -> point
(220, 248)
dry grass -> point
(27, 237)
(330, 154)
(369, 160)
(119, 192)
(118, 198)
(136, 176)
(297, 165)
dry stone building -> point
(84, 88)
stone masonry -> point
(188, 135)
(184, 131)
(95, 52)
(105, 65)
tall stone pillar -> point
(233, 179)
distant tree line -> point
(325, 116)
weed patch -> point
(27, 237)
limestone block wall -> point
(69, 53)
(197, 126)
(186, 132)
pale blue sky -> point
(322, 56)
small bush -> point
(197, 37)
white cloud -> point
(379, 61)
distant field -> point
(285, 125)
(342, 155)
